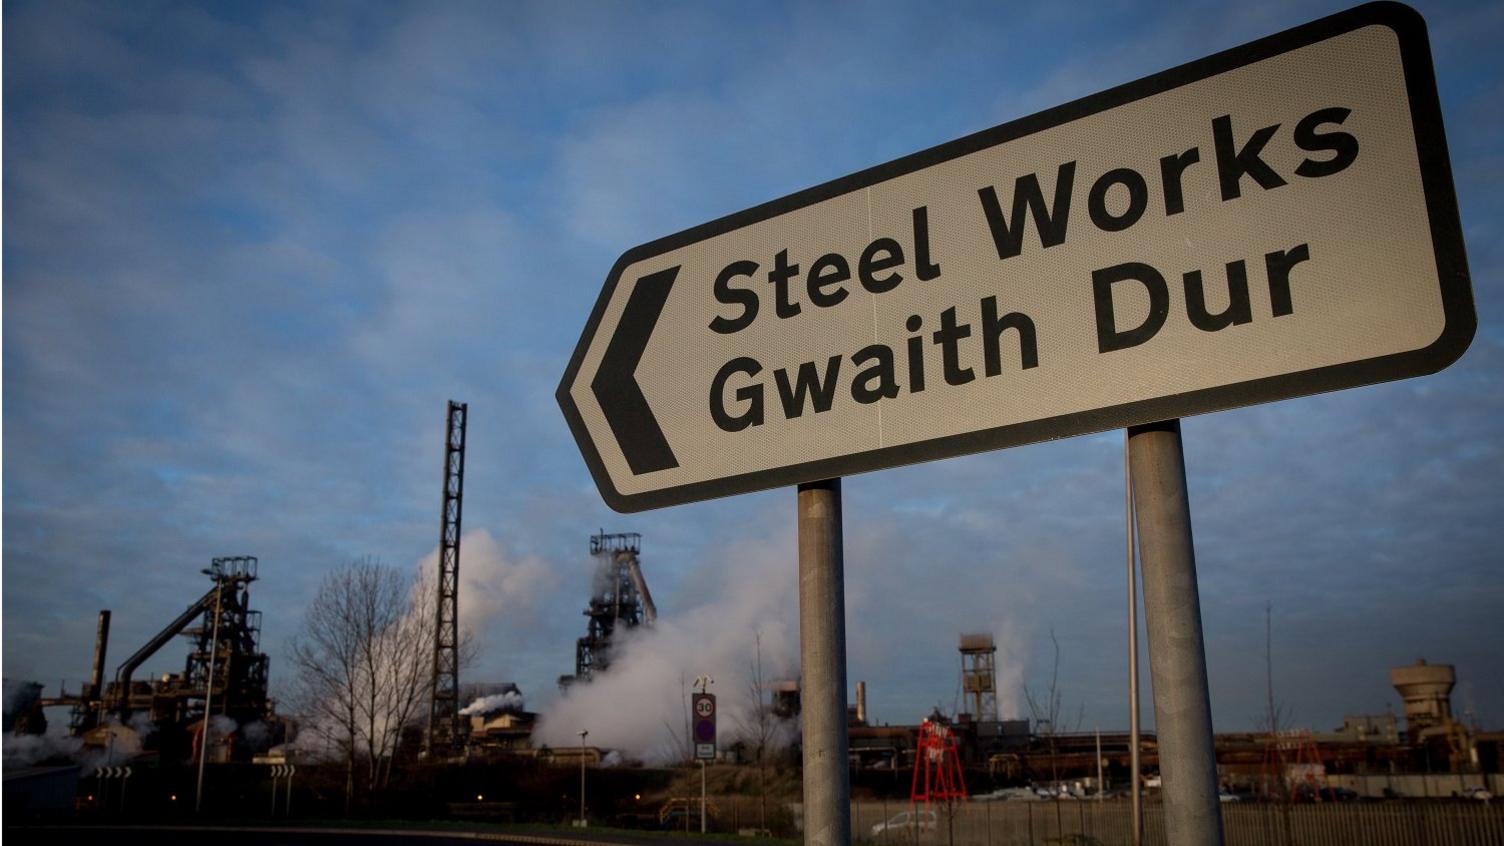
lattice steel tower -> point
(444, 710)
(979, 675)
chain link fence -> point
(1087, 823)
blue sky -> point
(250, 250)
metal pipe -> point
(1135, 763)
(822, 662)
(1177, 655)
(101, 644)
(649, 610)
(126, 670)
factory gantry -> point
(619, 600)
(225, 663)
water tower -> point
(979, 675)
(1427, 691)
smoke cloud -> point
(26, 750)
(19, 695)
(257, 736)
(497, 587)
(640, 706)
(509, 701)
(119, 744)
(1011, 662)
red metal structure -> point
(1293, 767)
(937, 765)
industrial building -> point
(499, 722)
(1368, 755)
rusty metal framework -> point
(239, 667)
(619, 600)
(444, 728)
(979, 675)
(229, 671)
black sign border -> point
(1441, 206)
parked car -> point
(1224, 796)
(1015, 794)
(907, 823)
(1482, 794)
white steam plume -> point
(122, 744)
(24, 750)
(509, 701)
(1009, 671)
(493, 581)
(639, 706)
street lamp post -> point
(203, 745)
(583, 734)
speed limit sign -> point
(704, 728)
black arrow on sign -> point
(615, 384)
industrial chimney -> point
(101, 643)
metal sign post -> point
(822, 663)
(279, 771)
(1172, 615)
(705, 740)
(105, 775)
(1135, 765)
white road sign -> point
(1268, 222)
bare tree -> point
(1045, 711)
(326, 653)
(681, 742)
(407, 662)
(363, 660)
(760, 727)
